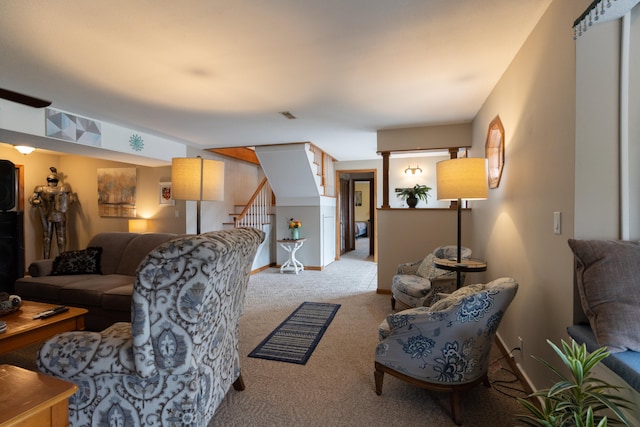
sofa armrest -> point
(409, 267)
(41, 268)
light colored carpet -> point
(336, 386)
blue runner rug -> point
(296, 338)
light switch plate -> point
(557, 223)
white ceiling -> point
(216, 73)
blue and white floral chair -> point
(418, 283)
(174, 363)
(444, 347)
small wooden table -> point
(465, 265)
(23, 329)
(33, 399)
(292, 246)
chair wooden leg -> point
(485, 381)
(378, 375)
(238, 385)
(393, 303)
(455, 407)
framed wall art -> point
(165, 196)
(494, 151)
(117, 192)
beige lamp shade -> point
(137, 226)
(464, 178)
(197, 179)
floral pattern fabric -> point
(174, 363)
(450, 341)
(419, 283)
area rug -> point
(295, 339)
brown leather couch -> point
(107, 296)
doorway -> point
(356, 214)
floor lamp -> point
(464, 178)
(195, 178)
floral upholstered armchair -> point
(418, 283)
(174, 363)
(444, 347)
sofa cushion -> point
(608, 279)
(85, 261)
(137, 249)
(113, 245)
(118, 299)
(89, 292)
(47, 288)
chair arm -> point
(41, 268)
(409, 267)
(86, 355)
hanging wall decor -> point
(494, 151)
(165, 195)
(117, 192)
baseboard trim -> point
(264, 267)
(515, 367)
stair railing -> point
(258, 210)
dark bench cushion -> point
(626, 364)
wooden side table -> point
(33, 399)
(465, 265)
(292, 246)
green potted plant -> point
(413, 194)
(577, 400)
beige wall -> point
(407, 235)
(82, 219)
(425, 137)
(535, 99)
(362, 213)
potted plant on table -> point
(413, 194)
(579, 399)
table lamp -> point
(464, 178)
(197, 179)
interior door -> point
(345, 208)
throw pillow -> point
(452, 299)
(428, 270)
(608, 278)
(86, 261)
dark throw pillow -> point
(86, 261)
(608, 278)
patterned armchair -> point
(174, 363)
(418, 283)
(444, 347)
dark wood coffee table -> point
(23, 329)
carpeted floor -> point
(336, 386)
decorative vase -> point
(295, 233)
(412, 201)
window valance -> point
(602, 11)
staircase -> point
(298, 171)
(258, 211)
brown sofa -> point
(107, 295)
